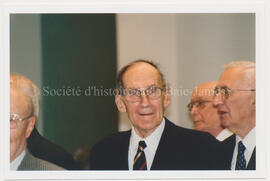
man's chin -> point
(225, 123)
(199, 126)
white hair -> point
(241, 64)
(247, 66)
(28, 88)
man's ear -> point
(167, 98)
(120, 103)
(30, 126)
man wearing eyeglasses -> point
(23, 100)
(235, 97)
(203, 114)
(153, 143)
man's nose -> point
(194, 110)
(144, 99)
(218, 99)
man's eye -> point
(222, 91)
(132, 92)
(225, 90)
(152, 90)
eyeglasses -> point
(152, 92)
(15, 120)
(226, 91)
(198, 104)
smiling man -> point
(235, 99)
(203, 114)
(153, 143)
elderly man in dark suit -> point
(235, 99)
(153, 143)
(23, 109)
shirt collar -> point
(225, 133)
(151, 141)
(17, 161)
(249, 141)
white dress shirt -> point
(151, 142)
(224, 134)
(249, 142)
(17, 161)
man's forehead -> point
(18, 81)
(141, 75)
(18, 99)
(232, 77)
(204, 91)
(201, 96)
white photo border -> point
(203, 6)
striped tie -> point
(241, 161)
(139, 160)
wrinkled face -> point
(145, 114)
(204, 115)
(19, 104)
(237, 112)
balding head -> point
(202, 112)
(28, 88)
(205, 90)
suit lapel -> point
(28, 162)
(123, 151)
(159, 155)
(252, 161)
(25, 162)
(227, 150)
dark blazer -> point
(30, 162)
(46, 150)
(227, 152)
(178, 149)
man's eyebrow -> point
(196, 99)
(152, 85)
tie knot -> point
(142, 144)
(241, 146)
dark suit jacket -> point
(227, 152)
(46, 150)
(30, 162)
(178, 149)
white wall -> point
(190, 48)
(151, 37)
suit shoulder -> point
(112, 140)
(190, 133)
(32, 163)
(105, 153)
(45, 165)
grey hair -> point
(28, 88)
(241, 64)
(247, 66)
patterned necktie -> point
(241, 161)
(139, 160)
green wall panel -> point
(78, 58)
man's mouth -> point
(145, 114)
(197, 121)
